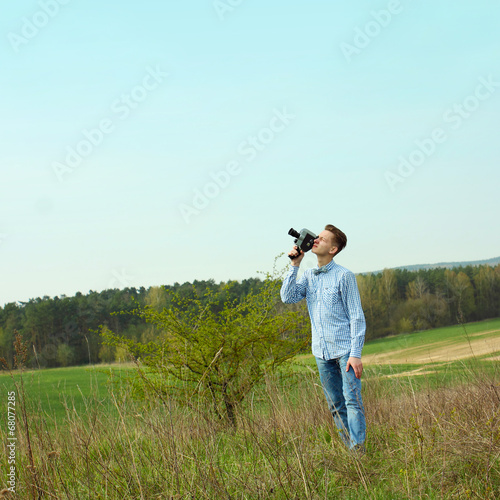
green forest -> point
(64, 331)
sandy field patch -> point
(410, 373)
(440, 351)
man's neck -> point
(323, 260)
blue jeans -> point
(343, 394)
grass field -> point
(432, 400)
(443, 352)
(55, 391)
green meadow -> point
(432, 401)
(441, 357)
(56, 391)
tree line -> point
(403, 301)
(64, 331)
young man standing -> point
(338, 330)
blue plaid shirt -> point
(337, 320)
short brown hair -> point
(339, 238)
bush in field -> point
(64, 355)
(106, 352)
(214, 348)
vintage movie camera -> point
(303, 240)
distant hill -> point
(416, 267)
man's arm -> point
(292, 290)
(357, 323)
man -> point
(338, 330)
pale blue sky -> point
(311, 104)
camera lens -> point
(293, 233)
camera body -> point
(303, 240)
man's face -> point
(324, 244)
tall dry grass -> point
(430, 443)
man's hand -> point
(357, 366)
(297, 255)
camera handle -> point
(295, 256)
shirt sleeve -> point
(354, 311)
(293, 291)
